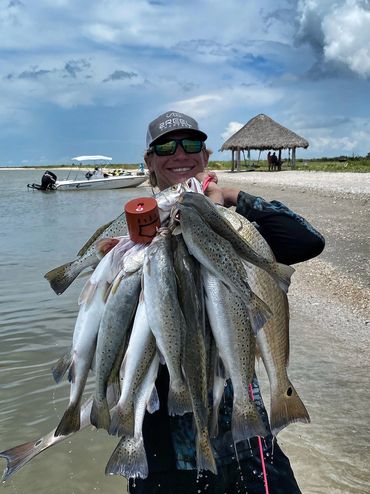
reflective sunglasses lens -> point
(191, 146)
(165, 149)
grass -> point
(359, 165)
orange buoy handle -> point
(143, 220)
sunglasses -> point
(168, 148)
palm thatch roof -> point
(261, 132)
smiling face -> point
(173, 169)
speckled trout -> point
(115, 324)
(273, 339)
(194, 361)
(217, 255)
(208, 211)
(236, 343)
(129, 457)
(165, 317)
(89, 255)
(138, 357)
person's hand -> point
(213, 191)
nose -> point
(180, 153)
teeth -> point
(177, 170)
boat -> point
(98, 179)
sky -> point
(84, 77)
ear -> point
(148, 158)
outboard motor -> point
(48, 180)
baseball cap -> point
(169, 122)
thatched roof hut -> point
(263, 133)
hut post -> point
(249, 157)
(232, 161)
(293, 159)
(238, 159)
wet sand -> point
(330, 324)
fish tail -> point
(128, 459)
(61, 277)
(286, 409)
(205, 458)
(122, 421)
(246, 424)
(61, 367)
(70, 421)
(283, 273)
(259, 313)
(18, 456)
(99, 416)
(179, 401)
(153, 402)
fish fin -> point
(61, 367)
(246, 422)
(18, 456)
(259, 313)
(204, 453)
(104, 245)
(87, 293)
(128, 459)
(179, 401)
(286, 409)
(177, 230)
(283, 274)
(70, 421)
(93, 239)
(99, 416)
(61, 277)
(71, 372)
(122, 421)
(153, 402)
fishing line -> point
(261, 450)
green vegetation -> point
(341, 164)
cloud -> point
(231, 128)
(339, 34)
(73, 67)
(119, 75)
(347, 37)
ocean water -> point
(40, 231)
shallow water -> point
(40, 231)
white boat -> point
(101, 180)
(98, 179)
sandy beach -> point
(330, 324)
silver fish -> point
(84, 343)
(166, 318)
(138, 357)
(129, 457)
(208, 210)
(216, 254)
(273, 339)
(61, 277)
(114, 326)
(236, 343)
(20, 455)
(194, 362)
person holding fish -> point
(176, 151)
(200, 297)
